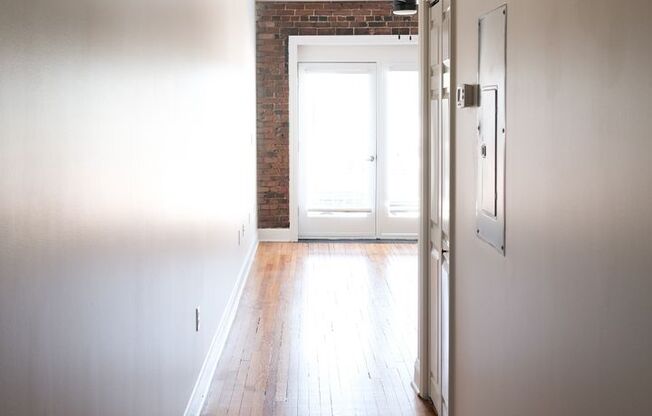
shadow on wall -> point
(126, 173)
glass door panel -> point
(398, 184)
(337, 150)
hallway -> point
(323, 329)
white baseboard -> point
(203, 384)
(277, 235)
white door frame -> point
(435, 223)
(295, 42)
(421, 382)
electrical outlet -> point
(197, 318)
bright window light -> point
(338, 134)
(402, 131)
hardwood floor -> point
(323, 329)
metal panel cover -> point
(490, 198)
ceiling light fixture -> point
(405, 7)
(409, 7)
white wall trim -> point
(349, 40)
(422, 366)
(293, 56)
(203, 384)
(277, 235)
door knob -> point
(371, 158)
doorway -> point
(390, 64)
(357, 131)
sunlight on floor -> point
(323, 329)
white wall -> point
(126, 170)
(562, 324)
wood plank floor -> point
(323, 329)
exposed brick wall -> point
(276, 21)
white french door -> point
(337, 150)
(358, 131)
(438, 69)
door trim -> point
(421, 381)
(440, 221)
(294, 43)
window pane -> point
(402, 131)
(337, 111)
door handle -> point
(371, 158)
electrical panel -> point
(490, 153)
